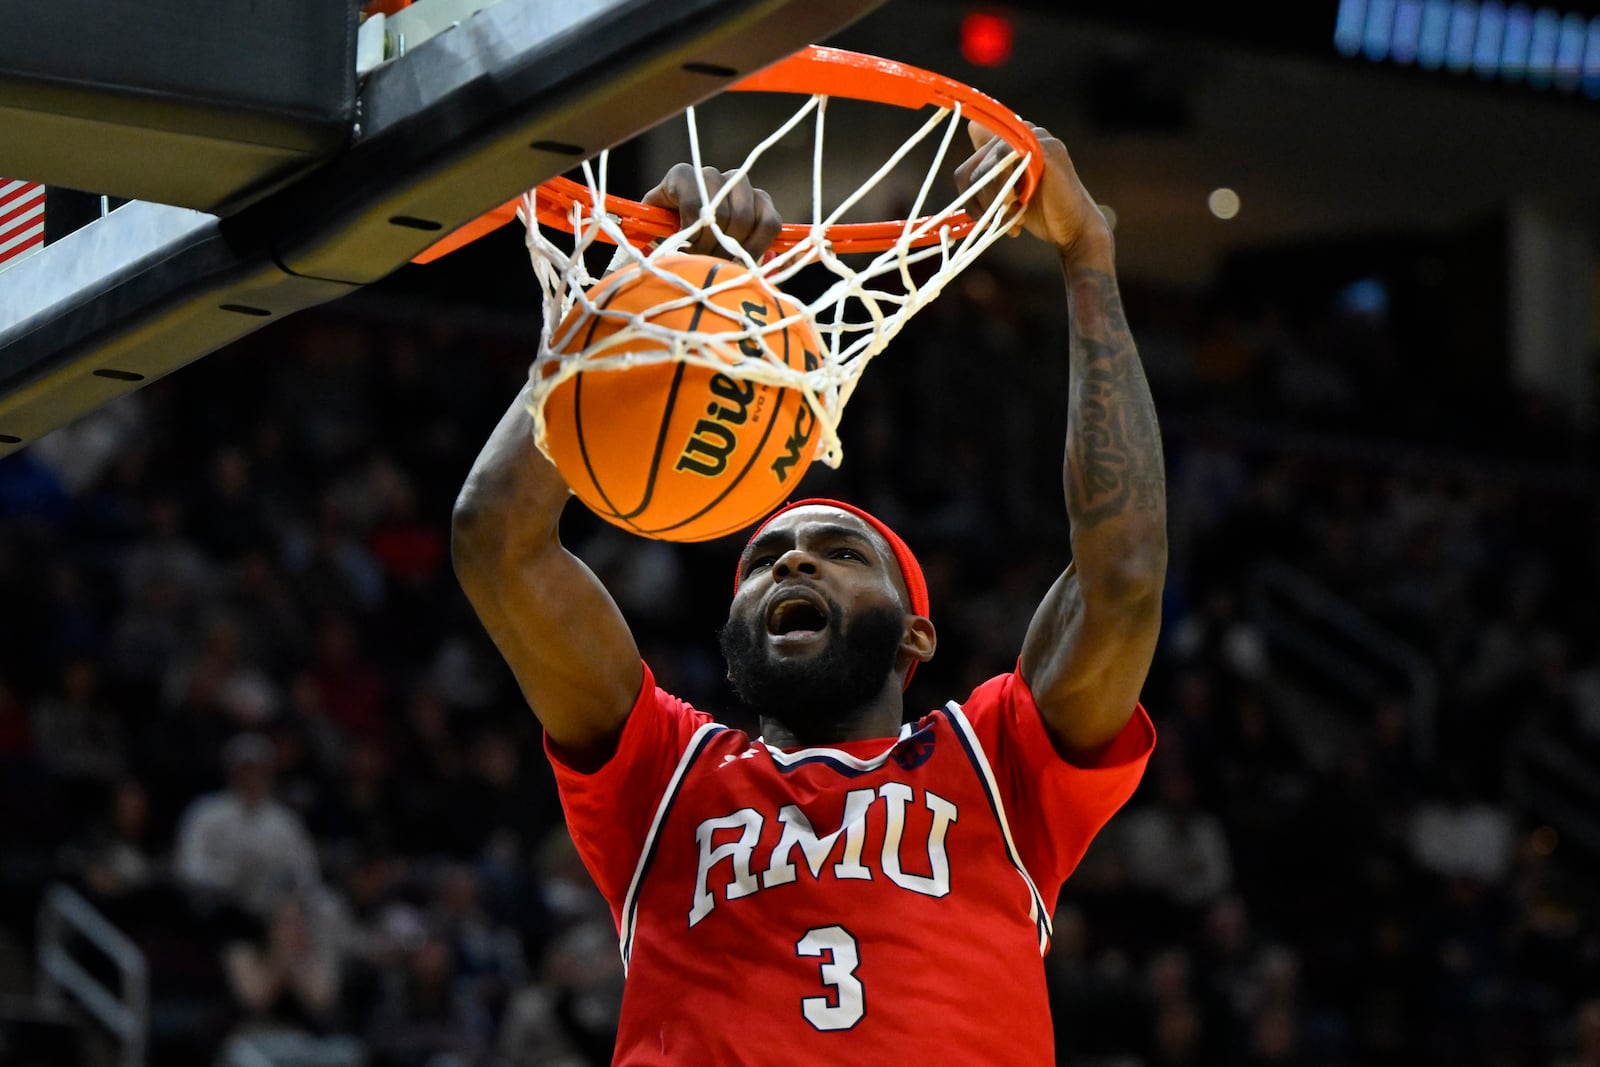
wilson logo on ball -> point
(679, 450)
(712, 442)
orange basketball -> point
(670, 450)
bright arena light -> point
(1224, 203)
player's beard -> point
(813, 695)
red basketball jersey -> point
(883, 901)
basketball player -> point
(845, 889)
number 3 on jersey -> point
(846, 1004)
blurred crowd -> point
(246, 711)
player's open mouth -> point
(795, 618)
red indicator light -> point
(985, 39)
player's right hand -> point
(746, 214)
(1061, 210)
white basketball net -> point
(858, 314)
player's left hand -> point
(746, 214)
(1061, 210)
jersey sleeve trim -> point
(630, 904)
(980, 761)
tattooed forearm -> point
(1113, 462)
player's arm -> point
(1090, 644)
(554, 622)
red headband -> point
(910, 569)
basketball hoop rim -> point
(815, 69)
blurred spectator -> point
(167, 557)
(1220, 635)
(374, 928)
(216, 680)
(147, 639)
(360, 808)
(117, 856)
(348, 687)
(569, 1018)
(463, 673)
(569, 894)
(80, 453)
(1096, 1001)
(431, 762)
(425, 1018)
(241, 846)
(272, 631)
(488, 955)
(1229, 962)
(285, 984)
(299, 780)
(645, 579)
(331, 569)
(1262, 769)
(409, 550)
(1178, 1033)
(1173, 848)
(77, 736)
(228, 518)
(1275, 1005)
(500, 796)
(70, 623)
(286, 979)
(1456, 835)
